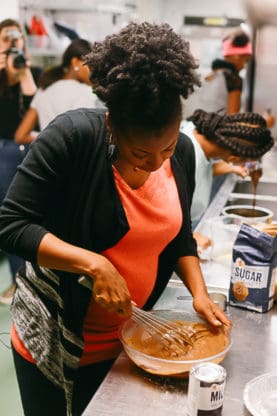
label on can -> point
(206, 390)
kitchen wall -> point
(9, 9)
(173, 11)
(205, 45)
(265, 85)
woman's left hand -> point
(189, 271)
(240, 170)
(205, 306)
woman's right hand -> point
(109, 287)
(203, 242)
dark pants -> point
(40, 397)
(11, 155)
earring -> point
(111, 140)
(76, 68)
(111, 147)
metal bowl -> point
(248, 214)
(161, 366)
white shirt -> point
(212, 96)
(203, 175)
(61, 96)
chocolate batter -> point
(247, 212)
(255, 175)
(208, 341)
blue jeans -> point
(11, 155)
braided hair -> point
(140, 74)
(244, 134)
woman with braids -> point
(105, 195)
(235, 139)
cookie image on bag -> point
(240, 291)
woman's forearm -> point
(28, 85)
(189, 271)
(234, 102)
(24, 132)
(109, 287)
(57, 254)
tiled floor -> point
(10, 404)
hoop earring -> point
(112, 140)
(112, 150)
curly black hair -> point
(140, 74)
(244, 134)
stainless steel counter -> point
(128, 390)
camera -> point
(19, 58)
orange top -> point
(154, 215)
(19, 346)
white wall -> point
(150, 10)
(9, 9)
(173, 11)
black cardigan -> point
(66, 186)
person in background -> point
(61, 88)
(236, 50)
(17, 87)
(104, 194)
(221, 88)
(235, 139)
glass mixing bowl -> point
(162, 366)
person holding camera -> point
(17, 87)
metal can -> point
(220, 299)
(206, 390)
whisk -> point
(166, 332)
